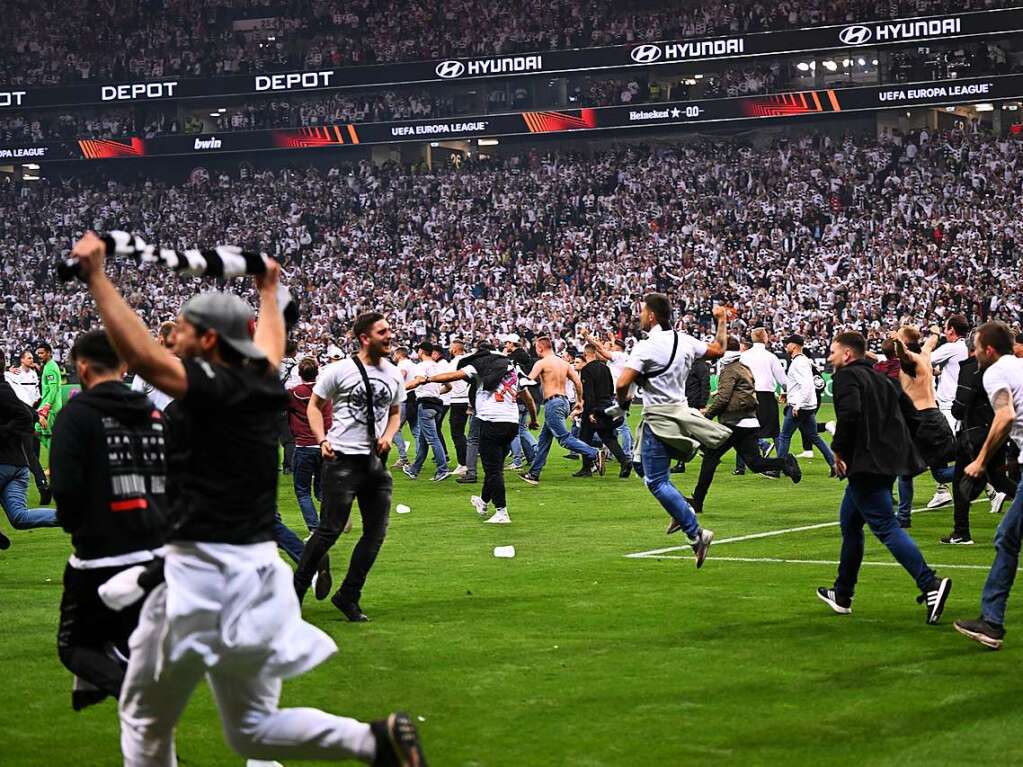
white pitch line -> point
(773, 560)
(752, 536)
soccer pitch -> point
(575, 653)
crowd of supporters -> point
(123, 40)
(803, 235)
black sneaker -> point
(702, 545)
(841, 605)
(678, 468)
(530, 478)
(957, 540)
(467, 479)
(791, 468)
(934, 598)
(988, 634)
(583, 473)
(905, 522)
(696, 505)
(771, 474)
(5, 542)
(324, 580)
(571, 456)
(738, 472)
(351, 610)
(45, 496)
(397, 741)
(626, 471)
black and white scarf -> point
(224, 261)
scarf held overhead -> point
(223, 261)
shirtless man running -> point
(554, 373)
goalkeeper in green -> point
(52, 393)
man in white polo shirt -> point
(768, 375)
(659, 365)
(946, 360)
(24, 379)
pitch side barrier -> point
(871, 34)
(668, 116)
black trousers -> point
(744, 440)
(604, 429)
(459, 419)
(443, 412)
(88, 628)
(495, 444)
(32, 447)
(411, 412)
(346, 479)
(996, 476)
(287, 441)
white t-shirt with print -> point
(1007, 374)
(341, 383)
(653, 353)
(500, 405)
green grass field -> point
(574, 654)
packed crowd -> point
(125, 40)
(805, 235)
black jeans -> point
(346, 479)
(495, 444)
(744, 440)
(87, 626)
(608, 434)
(287, 441)
(32, 447)
(459, 419)
(996, 476)
(441, 415)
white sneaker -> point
(479, 504)
(942, 497)
(830, 427)
(805, 454)
(460, 470)
(500, 518)
(997, 502)
(261, 763)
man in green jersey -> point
(51, 390)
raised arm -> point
(270, 333)
(716, 348)
(1005, 415)
(127, 332)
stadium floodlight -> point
(950, 109)
(874, 62)
(848, 62)
(222, 109)
(984, 107)
(862, 62)
(488, 142)
(214, 114)
(830, 65)
(802, 66)
(30, 166)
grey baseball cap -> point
(230, 316)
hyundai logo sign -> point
(449, 69)
(855, 35)
(646, 54)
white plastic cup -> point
(504, 552)
(401, 508)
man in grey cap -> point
(227, 609)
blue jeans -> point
(625, 437)
(399, 441)
(657, 476)
(1003, 569)
(286, 540)
(523, 447)
(943, 475)
(555, 411)
(429, 437)
(806, 422)
(307, 465)
(13, 497)
(868, 500)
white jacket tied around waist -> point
(235, 607)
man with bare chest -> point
(554, 374)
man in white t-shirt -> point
(406, 368)
(430, 404)
(495, 386)
(946, 360)
(458, 404)
(659, 365)
(24, 380)
(1003, 382)
(354, 467)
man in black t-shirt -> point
(227, 609)
(598, 394)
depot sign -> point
(137, 91)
